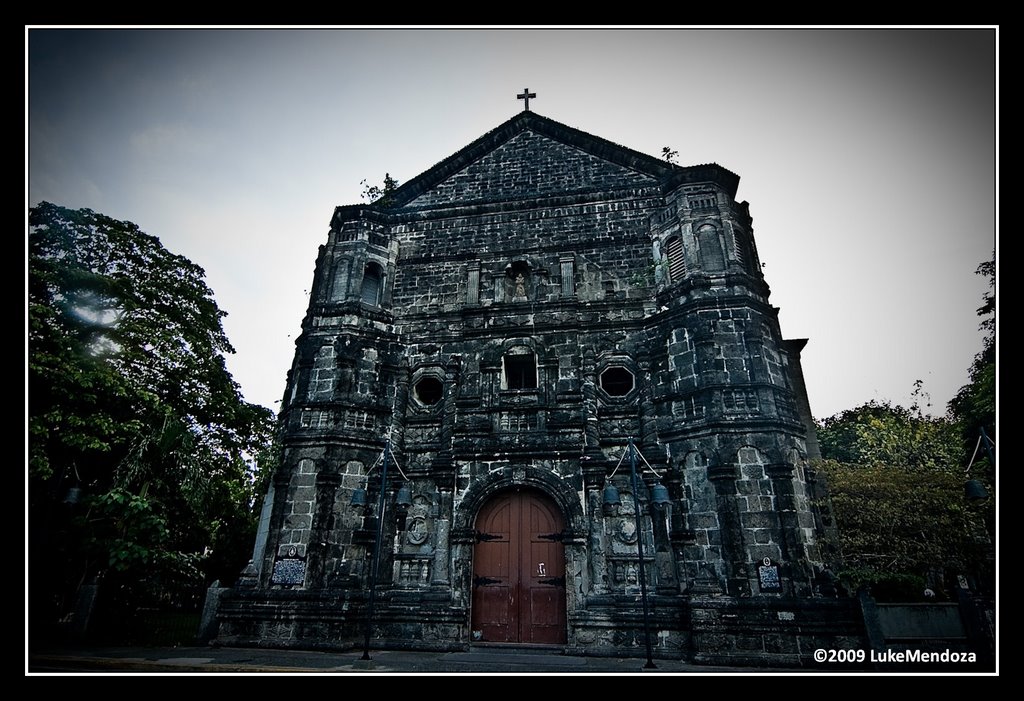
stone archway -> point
(539, 478)
(519, 593)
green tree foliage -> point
(974, 406)
(896, 478)
(899, 525)
(379, 194)
(880, 433)
(131, 404)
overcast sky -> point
(868, 158)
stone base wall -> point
(768, 633)
(336, 621)
(613, 626)
(772, 632)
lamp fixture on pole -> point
(403, 499)
(659, 497)
(974, 489)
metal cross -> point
(525, 96)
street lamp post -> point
(403, 498)
(659, 498)
(642, 574)
(376, 551)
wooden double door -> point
(519, 570)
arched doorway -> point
(519, 570)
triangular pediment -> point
(530, 156)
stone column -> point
(568, 283)
(679, 535)
(442, 535)
(473, 283)
(591, 432)
(452, 371)
(757, 368)
(595, 543)
(251, 573)
(793, 566)
(327, 482)
(704, 347)
(792, 349)
(281, 479)
(208, 620)
(400, 374)
(648, 423)
(498, 284)
(723, 477)
(664, 563)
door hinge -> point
(556, 537)
(486, 536)
(484, 581)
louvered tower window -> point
(372, 284)
(676, 265)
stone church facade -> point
(509, 333)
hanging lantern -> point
(974, 490)
(611, 495)
(404, 496)
(659, 494)
(358, 497)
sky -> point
(868, 157)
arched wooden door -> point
(519, 570)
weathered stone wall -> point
(527, 166)
(518, 324)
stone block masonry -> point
(501, 329)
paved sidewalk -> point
(229, 660)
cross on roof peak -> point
(525, 96)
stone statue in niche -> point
(517, 282)
(520, 288)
